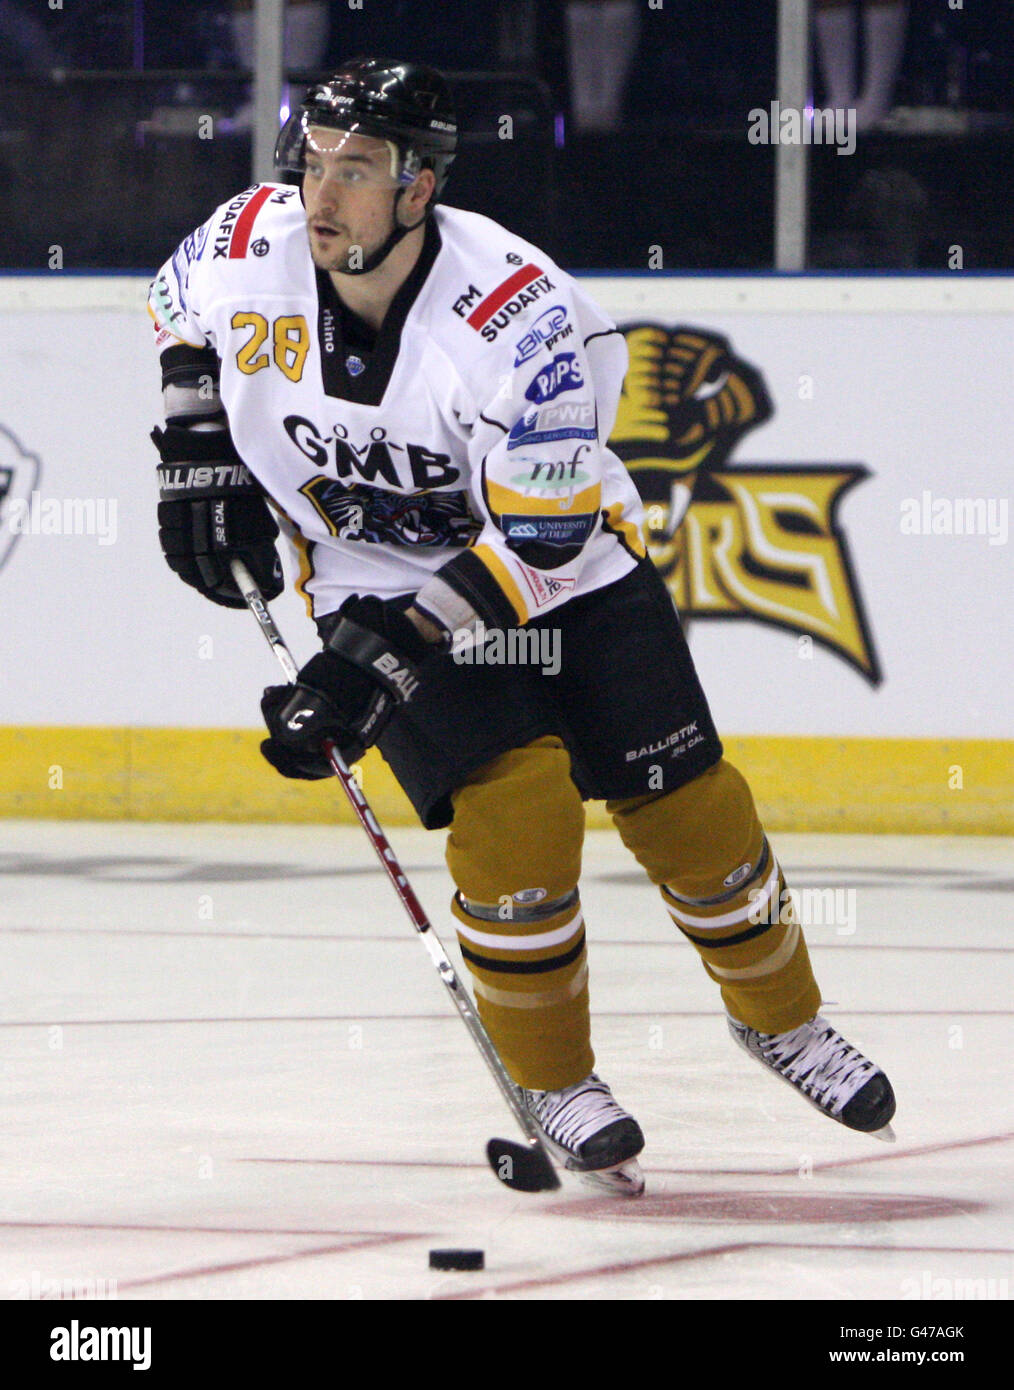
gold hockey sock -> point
(704, 846)
(531, 987)
(514, 851)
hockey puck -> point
(457, 1259)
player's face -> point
(348, 192)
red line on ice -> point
(706, 1252)
(235, 1265)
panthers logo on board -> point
(19, 477)
(758, 541)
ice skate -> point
(591, 1134)
(832, 1074)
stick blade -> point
(523, 1167)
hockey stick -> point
(525, 1167)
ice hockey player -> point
(423, 400)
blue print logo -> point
(563, 374)
(547, 329)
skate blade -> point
(624, 1180)
(886, 1135)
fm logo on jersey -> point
(233, 235)
(546, 331)
(526, 286)
(465, 301)
(563, 374)
(376, 459)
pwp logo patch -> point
(760, 541)
(19, 478)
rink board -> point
(808, 784)
(886, 710)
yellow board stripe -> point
(505, 579)
(855, 785)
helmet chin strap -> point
(389, 243)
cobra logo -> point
(19, 478)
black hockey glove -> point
(212, 511)
(371, 664)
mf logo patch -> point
(759, 541)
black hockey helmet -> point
(407, 103)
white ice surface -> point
(229, 1070)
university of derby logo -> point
(19, 477)
(758, 541)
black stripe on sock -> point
(524, 967)
(747, 935)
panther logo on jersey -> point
(712, 527)
(371, 514)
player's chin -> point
(328, 252)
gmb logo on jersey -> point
(546, 331)
(378, 459)
(563, 374)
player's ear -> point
(419, 194)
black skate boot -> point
(591, 1134)
(832, 1074)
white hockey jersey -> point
(463, 458)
